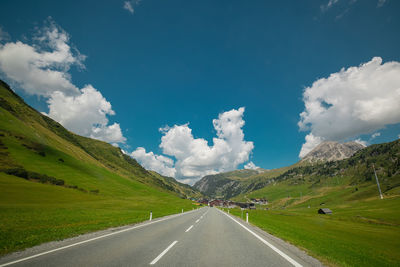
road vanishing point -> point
(203, 237)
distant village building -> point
(324, 211)
(260, 201)
(204, 201)
(230, 204)
(251, 206)
(216, 203)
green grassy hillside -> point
(363, 230)
(305, 177)
(354, 175)
(175, 186)
(358, 233)
(55, 184)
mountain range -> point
(329, 159)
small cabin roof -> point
(325, 210)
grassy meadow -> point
(33, 213)
(358, 233)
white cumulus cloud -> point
(158, 163)
(375, 135)
(85, 114)
(361, 142)
(251, 166)
(311, 142)
(354, 101)
(195, 158)
(42, 68)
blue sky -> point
(178, 62)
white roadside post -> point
(151, 215)
(247, 216)
(228, 211)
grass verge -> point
(356, 234)
(33, 213)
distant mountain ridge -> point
(315, 164)
(332, 151)
(229, 184)
(352, 162)
(220, 180)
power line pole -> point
(377, 182)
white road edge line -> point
(187, 230)
(163, 253)
(92, 239)
(286, 257)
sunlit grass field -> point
(33, 213)
(358, 233)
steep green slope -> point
(55, 184)
(175, 186)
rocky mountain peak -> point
(332, 151)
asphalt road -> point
(204, 237)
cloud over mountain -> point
(158, 163)
(354, 101)
(251, 166)
(85, 114)
(195, 158)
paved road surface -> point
(204, 237)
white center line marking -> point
(286, 257)
(187, 230)
(163, 253)
(92, 239)
(197, 220)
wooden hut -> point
(324, 211)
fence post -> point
(151, 215)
